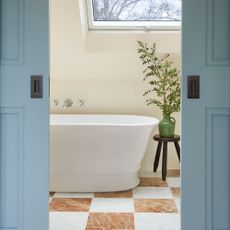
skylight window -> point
(134, 14)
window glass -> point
(136, 10)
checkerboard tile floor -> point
(153, 205)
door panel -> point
(206, 121)
(217, 24)
(218, 32)
(217, 169)
(24, 122)
(11, 167)
(12, 25)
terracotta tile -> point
(123, 194)
(110, 221)
(152, 182)
(70, 204)
(176, 192)
(155, 205)
(173, 173)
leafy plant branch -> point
(163, 79)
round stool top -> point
(157, 137)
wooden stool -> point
(165, 140)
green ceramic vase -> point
(167, 126)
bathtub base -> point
(93, 183)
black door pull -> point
(36, 86)
(194, 87)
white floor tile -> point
(155, 221)
(177, 201)
(152, 192)
(173, 181)
(68, 220)
(112, 205)
(73, 195)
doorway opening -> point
(99, 72)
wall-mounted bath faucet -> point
(67, 103)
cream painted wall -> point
(103, 69)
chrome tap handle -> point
(68, 103)
(56, 102)
(81, 102)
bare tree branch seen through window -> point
(137, 10)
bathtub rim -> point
(152, 121)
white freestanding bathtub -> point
(97, 153)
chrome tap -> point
(56, 102)
(81, 102)
(67, 103)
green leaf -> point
(164, 77)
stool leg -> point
(157, 157)
(177, 149)
(164, 162)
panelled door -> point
(24, 123)
(206, 120)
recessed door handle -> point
(194, 87)
(36, 86)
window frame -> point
(128, 25)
